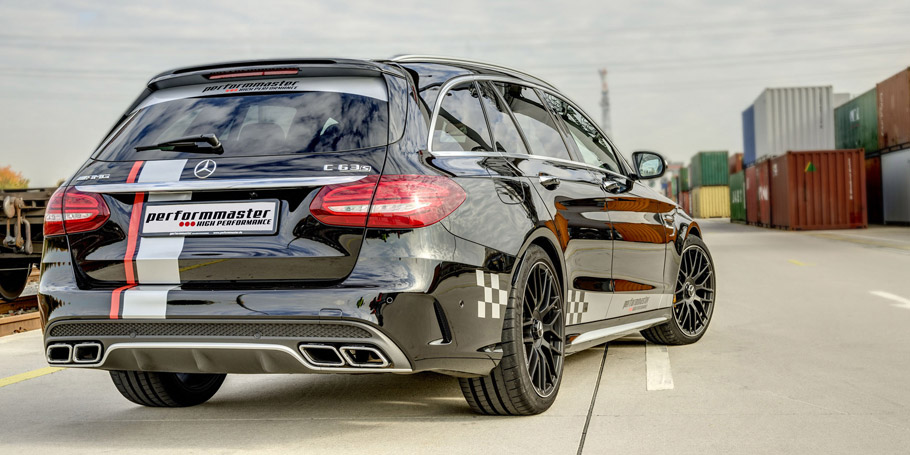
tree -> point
(11, 180)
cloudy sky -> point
(680, 71)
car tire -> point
(532, 334)
(166, 390)
(692, 310)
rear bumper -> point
(199, 346)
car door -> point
(568, 190)
(636, 217)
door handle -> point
(548, 181)
(612, 186)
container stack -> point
(684, 195)
(709, 180)
(878, 122)
(792, 177)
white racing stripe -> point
(658, 364)
(161, 171)
(156, 262)
(901, 302)
(145, 302)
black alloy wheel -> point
(527, 378)
(543, 330)
(693, 298)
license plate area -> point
(164, 219)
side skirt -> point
(584, 336)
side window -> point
(461, 126)
(505, 133)
(593, 146)
(536, 123)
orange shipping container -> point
(684, 202)
(823, 189)
(764, 191)
(735, 163)
(752, 212)
(894, 110)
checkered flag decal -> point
(575, 307)
(494, 300)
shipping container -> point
(856, 123)
(684, 179)
(735, 163)
(674, 185)
(752, 207)
(709, 169)
(874, 190)
(800, 118)
(894, 110)
(822, 189)
(684, 202)
(711, 202)
(749, 136)
(896, 187)
(763, 178)
(738, 197)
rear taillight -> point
(401, 201)
(70, 211)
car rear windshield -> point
(255, 125)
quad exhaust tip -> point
(325, 355)
(322, 355)
(364, 356)
(59, 353)
(87, 353)
(81, 353)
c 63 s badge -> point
(93, 177)
(347, 167)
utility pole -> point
(605, 103)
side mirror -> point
(649, 165)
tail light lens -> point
(70, 211)
(400, 201)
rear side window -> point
(256, 124)
(536, 123)
(593, 146)
(461, 126)
(505, 133)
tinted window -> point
(505, 133)
(536, 123)
(593, 146)
(250, 125)
(461, 125)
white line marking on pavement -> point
(658, 364)
(901, 302)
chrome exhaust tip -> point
(87, 353)
(59, 353)
(364, 357)
(321, 355)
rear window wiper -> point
(190, 144)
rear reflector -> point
(400, 202)
(71, 211)
(254, 73)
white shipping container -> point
(799, 118)
(896, 186)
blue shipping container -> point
(749, 136)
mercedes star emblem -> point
(205, 168)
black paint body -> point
(395, 280)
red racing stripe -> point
(116, 308)
(132, 239)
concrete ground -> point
(808, 352)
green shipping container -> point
(738, 197)
(709, 169)
(856, 123)
(684, 179)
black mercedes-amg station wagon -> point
(356, 216)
